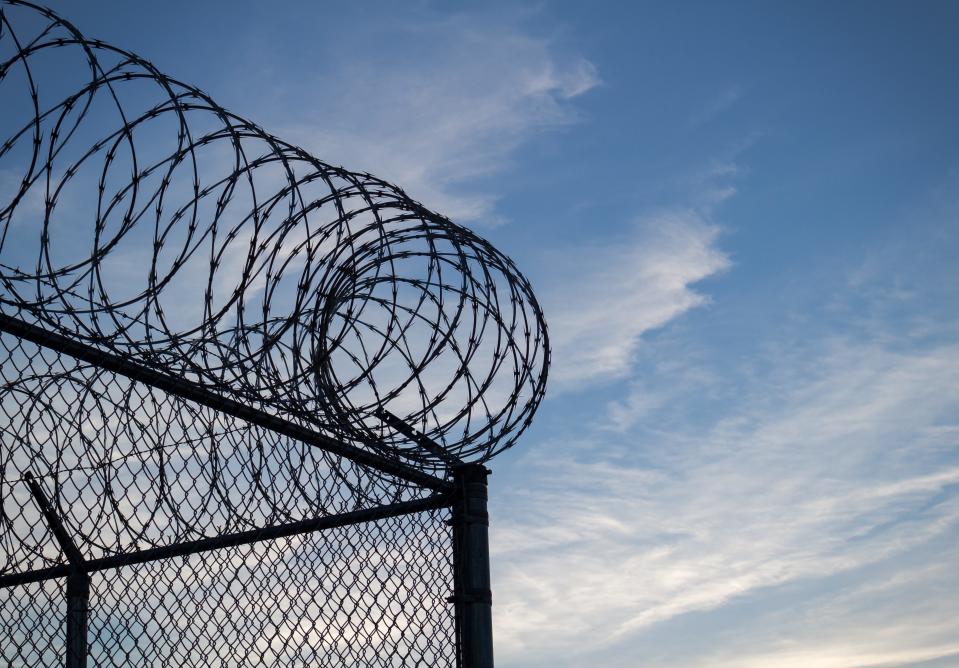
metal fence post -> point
(472, 596)
(78, 606)
(78, 579)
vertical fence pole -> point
(78, 580)
(78, 606)
(472, 596)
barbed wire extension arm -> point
(204, 247)
(246, 396)
(191, 391)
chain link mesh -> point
(129, 468)
(237, 383)
(365, 595)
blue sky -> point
(743, 222)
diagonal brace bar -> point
(78, 579)
(420, 439)
(66, 543)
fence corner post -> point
(472, 596)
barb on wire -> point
(232, 377)
(141, 217)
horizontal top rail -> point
(186, 389)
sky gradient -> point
(742, 220)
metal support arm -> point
(78, 579)
(186, 389)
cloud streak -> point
(837, 473)
(453, 111)
(604, 298)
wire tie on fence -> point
(472, 596)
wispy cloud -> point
(857, 626)
(603, 298)
(841, 469)
(718, 104)
(441, 117)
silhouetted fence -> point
(247, 396)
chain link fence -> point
(361, 591)
(346, 597)
(245, 396)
